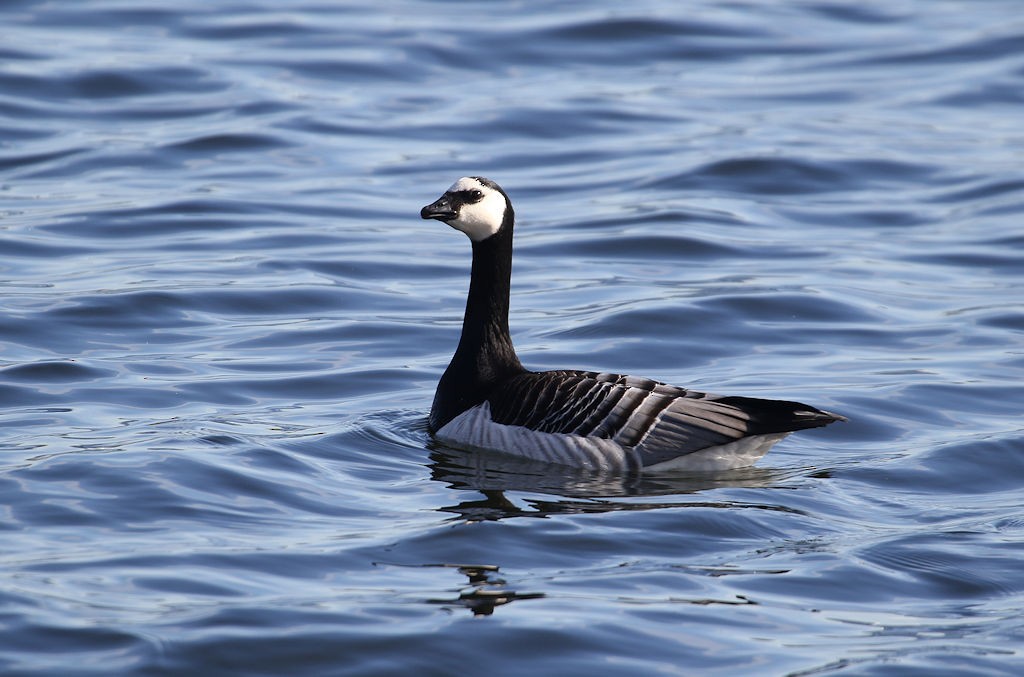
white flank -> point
(474, 430)
(481, 219)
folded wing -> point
(660, 421)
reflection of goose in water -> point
(576, 490)
(500, 472)
(487, 400)
(487, 590)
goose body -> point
(486, 400)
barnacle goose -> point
(486, 400)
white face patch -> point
(481, 219)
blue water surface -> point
(223, 321)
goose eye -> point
(476, 195)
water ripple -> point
(224, 321)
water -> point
(223, 322)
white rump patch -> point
(740, 453)
(481, 219)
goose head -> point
(475, 205)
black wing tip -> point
(818, 417)
(776, 416)
(837, 417)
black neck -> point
(485, 355)
(485, 333)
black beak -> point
(440, 209)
